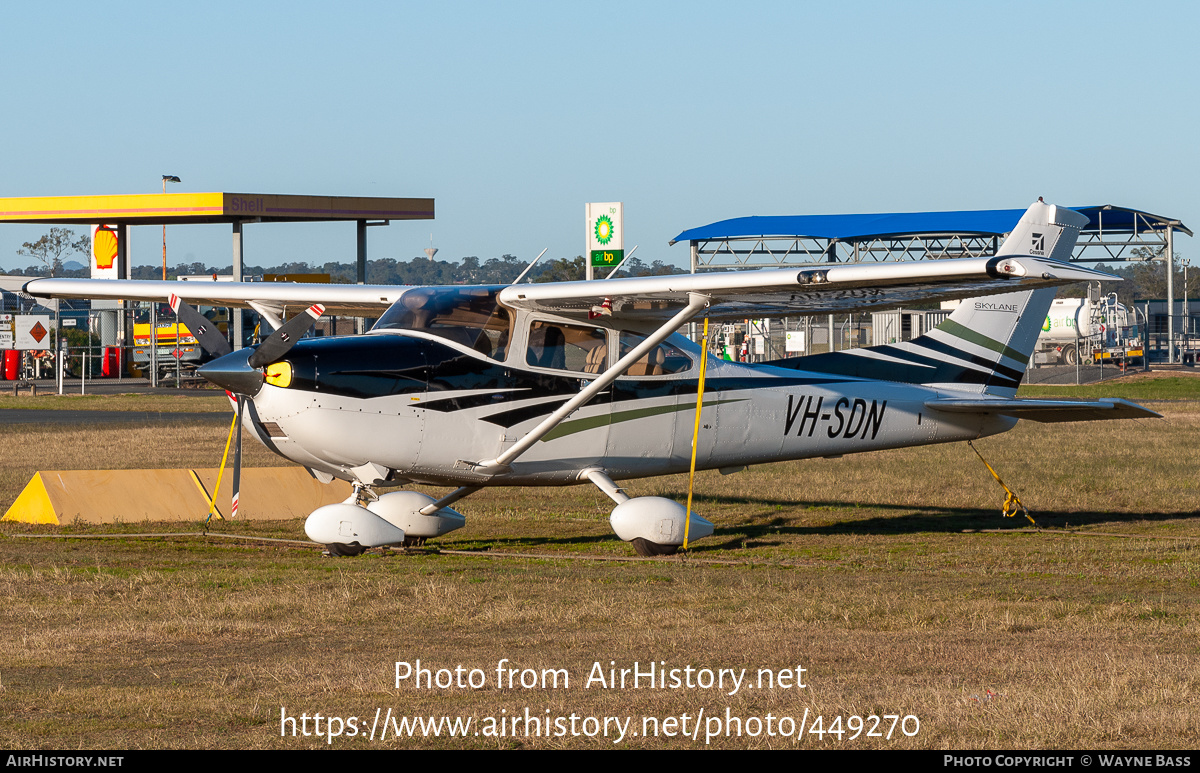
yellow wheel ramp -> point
(61, 497)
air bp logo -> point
(1039, 244)
(604, 229)
(1046, 324)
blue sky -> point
(513, 115)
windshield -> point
(469, 315)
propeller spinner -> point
(240, 372)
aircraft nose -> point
(234, 373)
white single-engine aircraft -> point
(561, 383)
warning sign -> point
(31, 331)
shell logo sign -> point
(104, 252)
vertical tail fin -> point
(989, 340)
(986, 343)
(1045, 231)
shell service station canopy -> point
(116, 214)
(178, 208)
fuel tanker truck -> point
(1092, 329)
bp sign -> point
(605, 234)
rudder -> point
(998, 333)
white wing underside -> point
(276, 297)
(733, 295)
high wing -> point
(277, 297)
(798, 292)
(1032, 256)
(734, 294)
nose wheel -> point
(370, 520)
(647, 549)
(340, 549)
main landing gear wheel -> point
(341, 549)
(647, 549)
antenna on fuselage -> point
(531, 264)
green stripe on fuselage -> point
(582, 425)
(979, 339)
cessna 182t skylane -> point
(562, 383)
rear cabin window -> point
(662, 360)
(567, 347)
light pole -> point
(166, 178)
(1187, 325)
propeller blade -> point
(282, 340)
(237, 457)
(201, 327)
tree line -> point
(1144, 279)
(60, 244)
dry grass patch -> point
(210, 649)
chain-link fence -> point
(75, 369)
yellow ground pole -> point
(696, 432)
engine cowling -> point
(656, 519)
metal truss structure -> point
(1113, 241)
(1113, 235)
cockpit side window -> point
(567, 347)
(662, 360)
(470, 316)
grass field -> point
(891, 578)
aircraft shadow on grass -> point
(765, 527)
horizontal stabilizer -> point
(1048, 410)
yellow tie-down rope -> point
(221, 473)
(1012, 503)
(696, 431)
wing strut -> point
(449, 499)
(696, 304)
(599, 477)
(271, 313)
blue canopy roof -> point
(984, 222)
